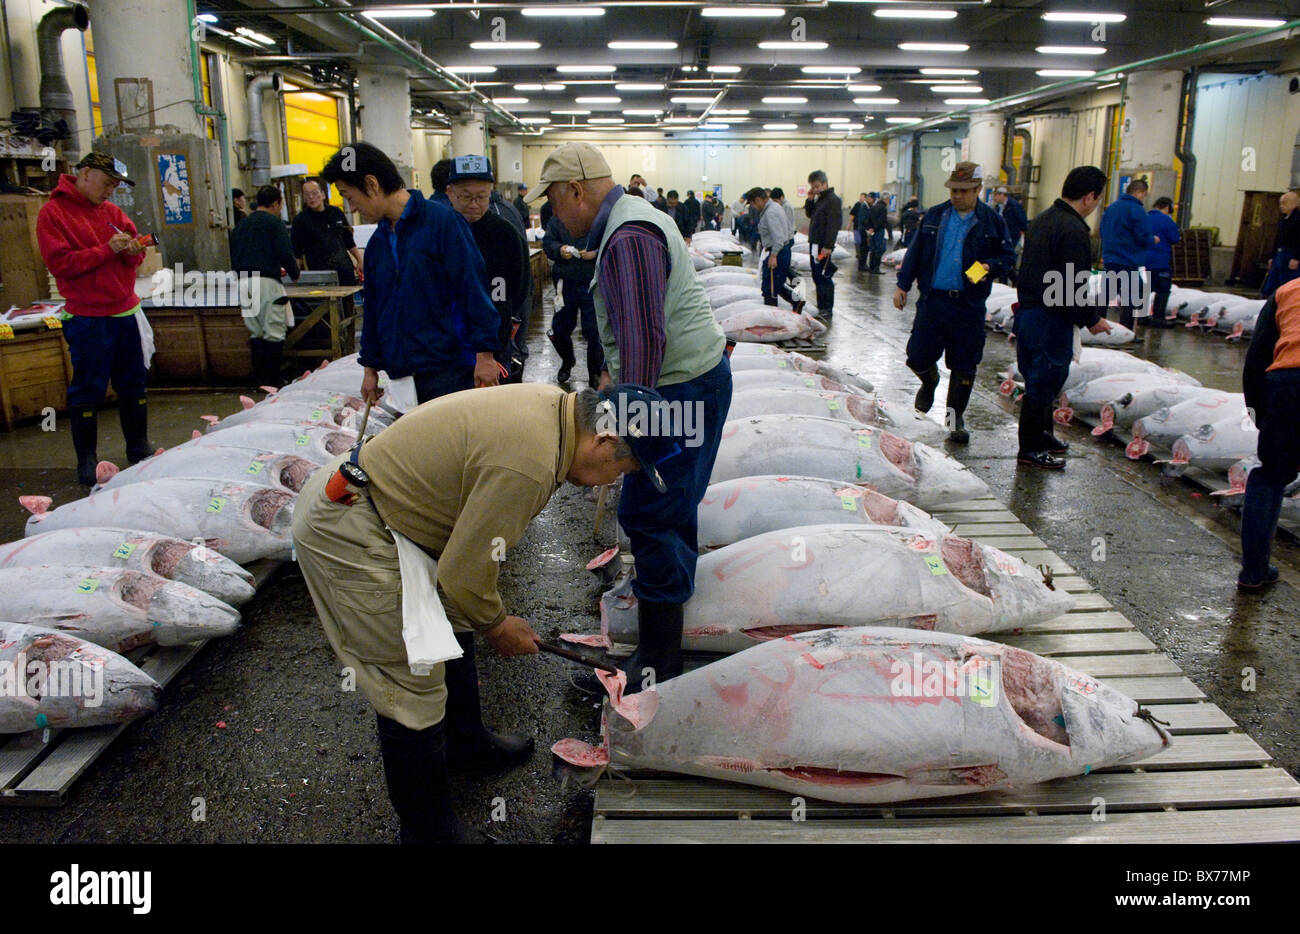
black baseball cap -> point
(471, 168)
(113, 168)
(629, 411)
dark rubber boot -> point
(961, 383)
(415, 766)
(929, 382)
(563, 345)
(471, 745)
(1033, 427)
(659, 645)
(85, 436)
(134, 415)
(1259, 515)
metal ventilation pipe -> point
(259, 145)
(1009, 149)
(1025, 170)
(56, 96)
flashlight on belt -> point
(346, 484)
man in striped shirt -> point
(657, 330)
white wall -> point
(428, 147)
(1233, 112)
(1062, 141)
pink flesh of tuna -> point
(963, 559)
(898, 451)
(1030, 690)
(138, 589)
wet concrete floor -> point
(298, 760)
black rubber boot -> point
(272, 364)
(961, 383)
(1260, 510)
(256, 355)
(929, 382)
(134, 415)
(659, 646)
(415, 766)
(85, 435)
(471, 745)
(563, 345)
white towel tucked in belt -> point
(425, 628)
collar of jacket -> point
(568, 435)
(1065, 206)
(412, 211)
(67, 188)
(597, 232)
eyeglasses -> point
(462, 198)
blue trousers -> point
(772, 281)
(663, 526)
(104, 349)
(1279, 273)
(948, 326)
(1044, 349)
(823, 277)
(1279, 459)
(435, 383)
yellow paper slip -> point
(976, 272)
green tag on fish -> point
(981, 690)
(302, 441)
(255, 467)
(88, 585)
(810, 382)
(935, 564)
(849, 502)
(832, 404)
(42, 721)
(124, 551)
(317, 414)
(781, 364)
(216, 504)
(864, 441)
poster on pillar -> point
(174, 180)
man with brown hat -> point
(92, 249)
(960, 247)
(657, 330)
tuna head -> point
(204, 568)
(178, 612)
(1022, 595)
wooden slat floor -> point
(1214, 784)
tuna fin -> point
(159, 451)
(270, 389)
(196, 435)
(246, 402)
(36, 505)
(105, 471)
(638, 709)
(578, 762)
(210, 419)
(323, 364)
(596, 640)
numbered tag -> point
(6, 332)
(864, 441)
(833, 405)
(88, 585)
(849, 503)
(302, 440)
(216, 504)
(124, 551)
(781, 364)
(810, 382)
(255, 467)
(935, 564)
(981, 690)
(317, 414)
(53, 323)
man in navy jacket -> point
(428, 314)
(1013, 215)
(1125, 239)
(1160, 259)
(960, 247)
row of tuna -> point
(1000, 311)
(1232, 315)
(737, 301)
(154, 555)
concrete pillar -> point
(144, 56)
(469, 135)
(986, 147)
(510, 159)
(384, 99)
(1150, 130)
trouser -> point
(908, 235)
(434, 383)
(1279, 459)
(823, 273)
(1124, 285)
(1279, 273)
(773, 280)
(268, 361)
(1044, 350)
(415, 769)
(104, 350)
(948, 325)
(662, 527)
(1008, 276)
(860, 241)
(574, 303)
(1162, 281)
(877, 244)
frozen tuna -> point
(790, 399)
(1165, 426)
(764, 357)
(242, 521)
(112, 607)
(1220, 445)
(1088, 398)
(318, 445)
(53, 680)
(246, 465)
(843, 451)
(754, 321)
(872, 716)
(738, 509)
(188, 562)
(1124, 410)
(291, 411)
(811, 577)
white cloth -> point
(426, 630)
(400, 394)
(146, 336)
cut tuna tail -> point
(1137, 448)
(1182, 454)
(639, 709)
(602, 559)
(1107, 420)
(1238, 330)
(105, 471)
(1007, 386)
(246, 402)
(578, 762)
(36, 505)
(270, 389)
(1063, 415)
(1194, 321)
(595, 640)
(211, 419)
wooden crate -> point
(1191, 256)
(200, 345)
(21, 268)
(35, 371)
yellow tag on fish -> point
(317, 414)
(809, 382)
(302, 440)
(849, 502)
(864, 441)
(255, 467)
(981, 690)
(124, 551)
(935, 564)
(832, 404)
(781, 364)
(88, 585)
(6, 332)
(216, 504)
(53, 323)
(976, 272)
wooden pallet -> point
(37, 769)
(1213, 784)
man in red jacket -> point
(91, 247)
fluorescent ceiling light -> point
(598, 100)
(1064, 73)
(956, 88)
(1112, 84)
(715, 126)
(890, 13)
(902, 119)
(830, 69)
(863, 88)
(846, 126)
(937, 72)
(471, 69)
(638, 86)
(934, 46)
(966, 101)
(780, 126)
(691, 100)
(830, 119)
(609, 120)
(585, 69)
(521, 46)
(1246, 22)
(638, 45)
(689, 68)
(1084, 17)
(870, 101)
(539, 87)
(547, 10)
(534, 119)
(570, 113)
(507, 101)
(730, 113)
(1071, 50)
(643, 113)
(785, 100)
(793, 46)
(254, 35)
(743, 11)
(400, 13)
(681, 119)
(725, 69)
(207, 18)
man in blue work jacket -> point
(1125, 239)
(960, 248)
(1160, 259)
(428, 313)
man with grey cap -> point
(657, 330)
(960, 246)
(1017, 221)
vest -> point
(693, 341)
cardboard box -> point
(152, 263)
(21, 267)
